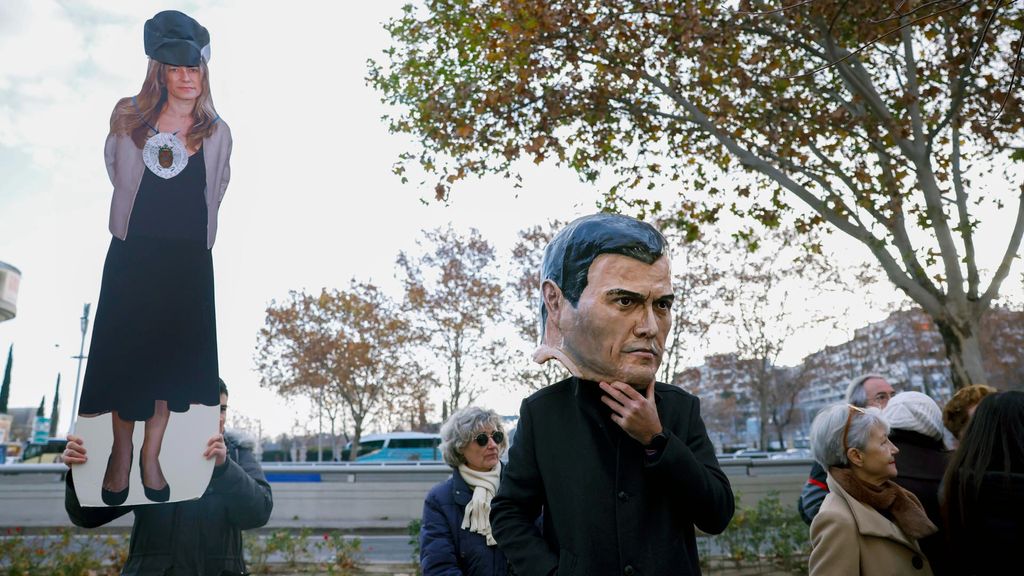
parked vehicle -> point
(792, 454)
(397, 446)
(43, 452)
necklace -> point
(163, 153)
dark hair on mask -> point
(223, 387)
(568, 257)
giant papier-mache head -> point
(567, 261)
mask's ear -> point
(551, 343)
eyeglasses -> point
(846, 429)
(883, 397)
(481, 439)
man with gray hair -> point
(868, 390)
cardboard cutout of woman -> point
(154, 344)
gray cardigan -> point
(125, 168)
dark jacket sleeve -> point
(438, 556)
(813, 493)
(516, 507)
(88, 517)
(247, 492)
(688, 461)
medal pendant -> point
(165, 155)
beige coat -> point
(849, 538)
(125, 168)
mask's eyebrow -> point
(622, 292)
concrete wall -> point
(357, 497)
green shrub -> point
(61, 553)
(414, 541)
(766, 533)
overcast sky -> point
(312, 200)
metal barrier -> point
(354, 496)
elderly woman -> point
(867, 524)
(984, 488)
(455, 536)
(917, 431)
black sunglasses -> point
(481, 439)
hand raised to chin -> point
(635, 413)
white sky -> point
(312, 200)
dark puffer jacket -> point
(202, 537)
(445, 548)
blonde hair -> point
(135, 118)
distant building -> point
(22, 421)
(905, 347)
(10, 279)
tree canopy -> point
(863, 117)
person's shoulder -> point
(123, 107)
(834, 511)
(674, 393)
(240, 440)
(552, 392)
(221, 130)
(442, 491)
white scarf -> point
(478, 511)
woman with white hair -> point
(455, 535)
(917, 431)
(867, 524)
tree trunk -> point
(762, 417)
(963, 351)
(357, 434)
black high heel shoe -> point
(111, 498)
(153, 494)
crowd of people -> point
(908, 487)
(912, 488)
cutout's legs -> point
(114, 490)
(153, 480)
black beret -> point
(175, 38)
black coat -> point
(446, 549)
(990, 540)
(200, 537)
(608, 508)
(920, 464)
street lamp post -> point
(78, 378)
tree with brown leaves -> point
(351, 347)
(453, 296)
(863, 117)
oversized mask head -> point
(606, 289)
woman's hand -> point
(215, 448)
(74, 452)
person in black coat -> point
(621, 466)
(455, 534)
(200, 537)
(983, 497)
(917, 430)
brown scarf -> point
(902, 505)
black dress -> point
(155, 336)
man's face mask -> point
(617, 330)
